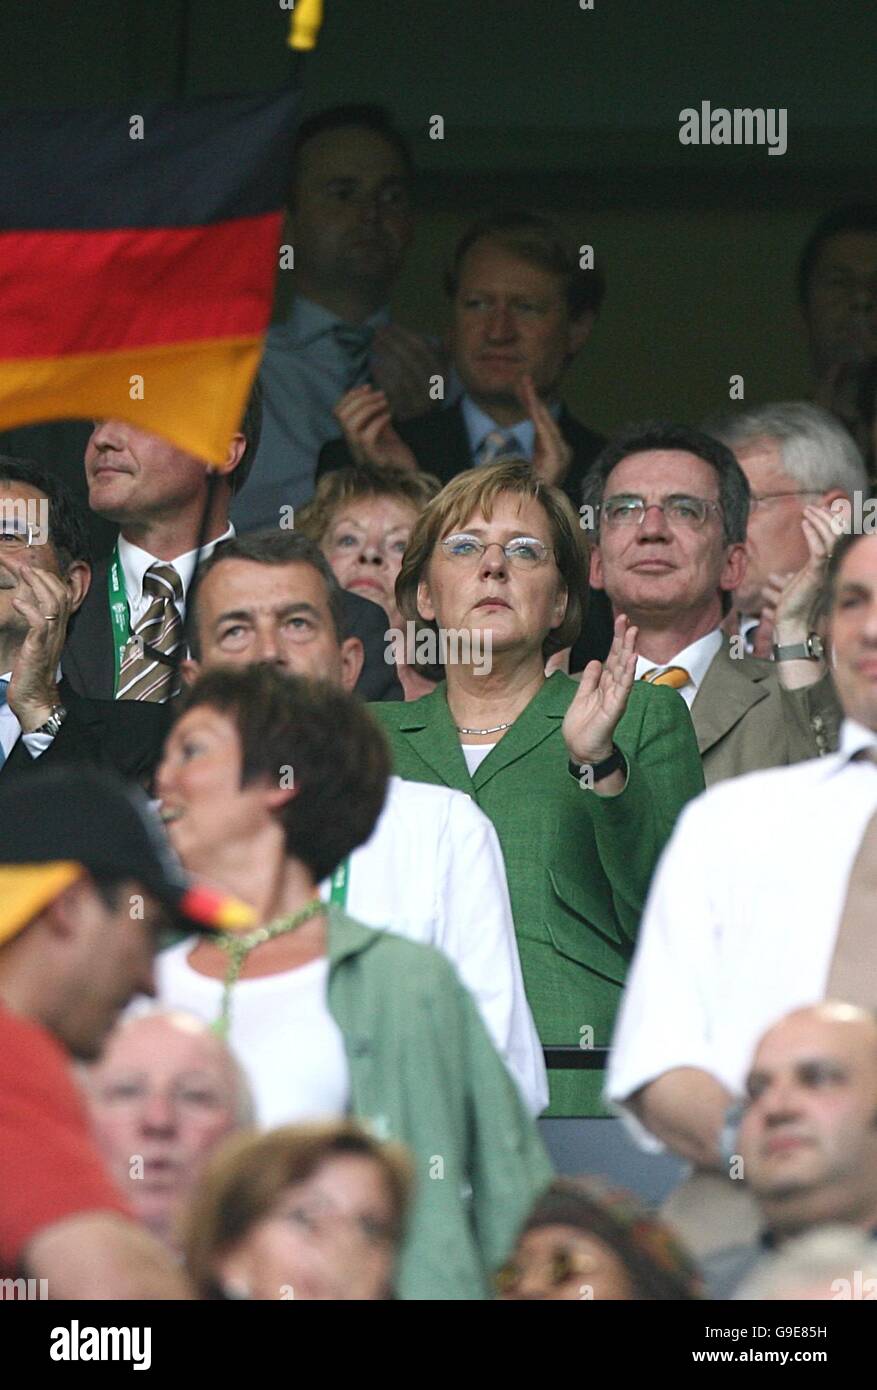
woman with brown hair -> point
(583, 781)
(362, 518)
(304, 1212)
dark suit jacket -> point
(124, 735)
(87, 660)
(440, 443)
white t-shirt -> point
(475, 753)
(284, 1016)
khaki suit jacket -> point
(745, 720)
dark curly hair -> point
(339, 757)
(657, 1265)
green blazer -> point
(578, 864)
(424, 1071)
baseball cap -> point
(58, 822)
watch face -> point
(815, 645)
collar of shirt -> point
(854, 737)
(135, 563)
(695, 658)
(479, 424)
(308, 321)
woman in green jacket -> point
(583, 781)
(267, 784)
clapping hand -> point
(402, 365)
(365, 417)
(45, 602)
(552, 455)
(601, 698)
(795, 602)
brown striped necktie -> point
(675, 676)
(141, 675)
(853, 974)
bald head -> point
(809, 1134)
(163, 1094)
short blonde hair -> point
(336, 489)
(478, 489)
(248, 1175)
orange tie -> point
(675, 676)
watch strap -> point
(809, 650)
(598, 771)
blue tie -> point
(4, 685)
(496, 445)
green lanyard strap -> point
(338, 893)
(119, 617)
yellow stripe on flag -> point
(306, 22)
(192, 393)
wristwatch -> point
(53, 723)
(598, 771)
(811, 650)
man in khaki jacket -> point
(668, 509)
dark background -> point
(572, 111)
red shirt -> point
(49, 1166)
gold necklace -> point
(238, 947)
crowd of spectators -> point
(527, 779)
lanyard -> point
(119, 617)
(338, 894)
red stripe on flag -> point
(80, 292)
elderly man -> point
(85, 883)
(350, 224)
(44, 578)
(808, 1137)
(433, 869)
(792, 454)
(670, 507)
(762, 903)
(163, 1094)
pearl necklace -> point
(238, 946)
(497, 728)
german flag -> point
(138, 251)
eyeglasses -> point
(758, 498)
(522, 552)
(16, 537)
(679, 510)
(553, 1271)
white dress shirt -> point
(723, 955)
(695, 659)
(479, 425)
(135, 562)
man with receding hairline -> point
(808, 1136)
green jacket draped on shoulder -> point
(578, 864)
(424, 1071)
